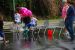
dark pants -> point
(1, 33)
(69, 27)
(31, 25)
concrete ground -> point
(44, 45)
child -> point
(26, 21)
(33, 22)
(1, 28)
(2, 35)
(17, 17)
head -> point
(69, 2)
(17, 10)
(1, 17)
(64, 1)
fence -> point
(42, 32)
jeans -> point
(31, 25)
(1, 33)
(69, 27)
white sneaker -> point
(67, 34)
(1, 38)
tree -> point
(48, 8)
(40, 7)
(53, 7)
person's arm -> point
(64, 12)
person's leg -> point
(28, 25)
(71, 30)
(1, 33)
(69, 27)
(3, 36)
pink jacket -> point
(64, 11)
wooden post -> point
(30, 4)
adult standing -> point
(69, 19)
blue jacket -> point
(70, 12)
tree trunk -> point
(53, 7)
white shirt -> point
(33, 21)
(17, 17)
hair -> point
(70, 1)
(64, 0)
(17, 10)
(17, 7)
(1, 17)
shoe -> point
(7, 41)
(1, 38)
(72, 42)
(67, 35)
